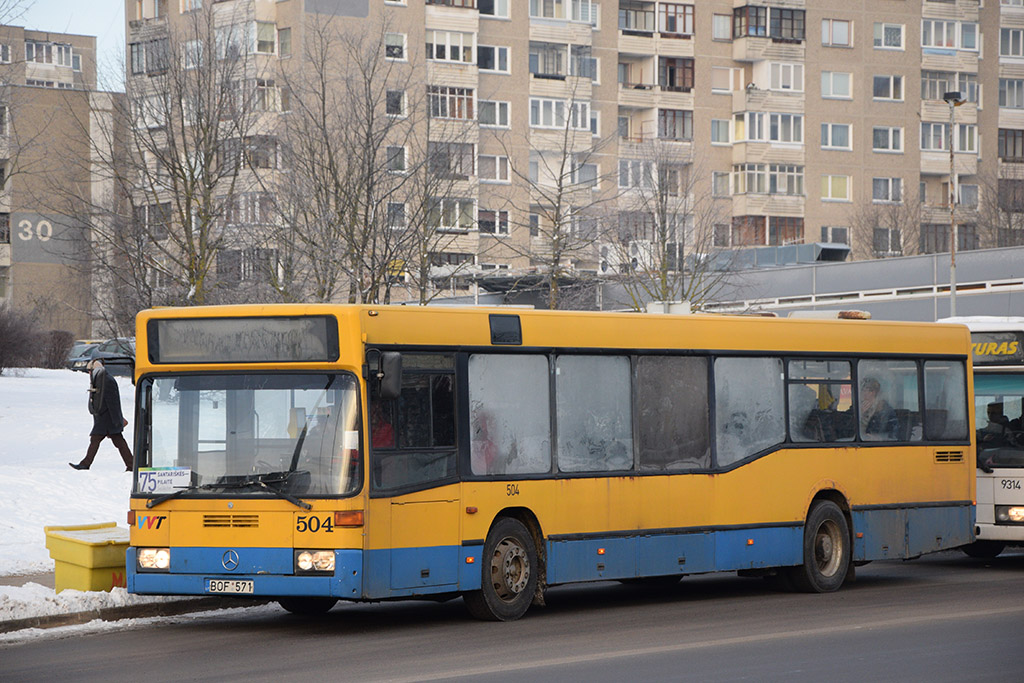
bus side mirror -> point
(389, 374)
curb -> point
(155, 609)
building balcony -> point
(937, 163)
(758, 48)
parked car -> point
(80, 354)
(119, 347)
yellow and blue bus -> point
(316, 453)
(998, 346)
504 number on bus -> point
(313, 523)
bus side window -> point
(945, 400)
(672, 402)
(749, 407)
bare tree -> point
(659, 243)
(881, 229)
(998, 208)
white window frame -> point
(975, 35)
(390, 43)
(501, 113)
(5, 54)
(449, 40)
(189, 5)
(893, 78)
(749, 179)
(776, 127)
(891, 133)
(786, 72)
(828, 33)
(272, 50)
(538, 7)
(458, 205)
(939, 33)
(966, 138)
(402, 109)
(720, 183)
(390, 213)
(828, 81)
(1011, 93)
(500, 10)
(402, 166)
(828, 133)
(719, 125)
(501, 55)
(501, 168)
(1011, 42)
(879, 37)
(894, 186)
(551, 113)
(829, 188)
(501, 222)
(934, 136)
(720, 22)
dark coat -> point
(105, 404)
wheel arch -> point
(527, 517)
(831, 492)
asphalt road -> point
(940, 618)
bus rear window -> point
(244, 340)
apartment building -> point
(568, 126)
(48, 111)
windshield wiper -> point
(153, 502)
(263, 481)
(287, 496)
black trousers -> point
(119, 442)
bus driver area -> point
(329, 452)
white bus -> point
(998, 350)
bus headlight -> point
(1009, 514)
(154, 559)
(314, 561)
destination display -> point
(244, 340)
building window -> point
(548, 60)
(788, 77)
(788, 24)
(835, 33)
(493, 8)
(1011, 93)
(545, 113)
(451, 160)
(266, 38)
(836, 85)
(835, 234)
(720, 131)
(886, 139)
(451, 46)
(676, 19)
(786, 128)
(396, 216)
(721, 27)
(749, 21)
(450, 103)
(785, 179)
(719, 183)
(888, 88)
(675, 124)
(886, 242)
(492, 168)
(395, 103)
(836, 136)
(1011, 144)
(934, 84)
(938, 33)
(1011, 42)
(494, 113)
(749, 179)
(933, 136)
(284, 42)
(491, 58)
(396, 159)
(448, 214)
(886, 189)
(492, 222)
(747, 231)
(394, 46)
(5, 118)
(675, 74)
(835, 188)
(784, 230)
(888, 36)
(635, 173)
(968, 195)
(547, 9)
(967, 138)
(581, 63)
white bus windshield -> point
(998, 402)
(251, 434)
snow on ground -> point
(44, 425)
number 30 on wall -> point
(42, 231)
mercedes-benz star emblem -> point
(229, 560)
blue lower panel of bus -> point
(270, 569)
(664, 553)
(898, 533)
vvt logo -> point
(150, 521)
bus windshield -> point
(251, 434)
(998, 405)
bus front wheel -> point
(509, 573)
(307, 606)
(826, 550)
(983, 550)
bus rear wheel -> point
(307, 606)
(509, 573)
(983, 550)
(826, 550)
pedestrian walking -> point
(107, 420)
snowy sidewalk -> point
(29, 601)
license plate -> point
(229, 585)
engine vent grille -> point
(949, 456)
(231, 521)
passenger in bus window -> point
(998, 425)
(878, 421)
(382, 433)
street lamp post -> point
(953, 98)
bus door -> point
(413, 529)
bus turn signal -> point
(350, 518)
